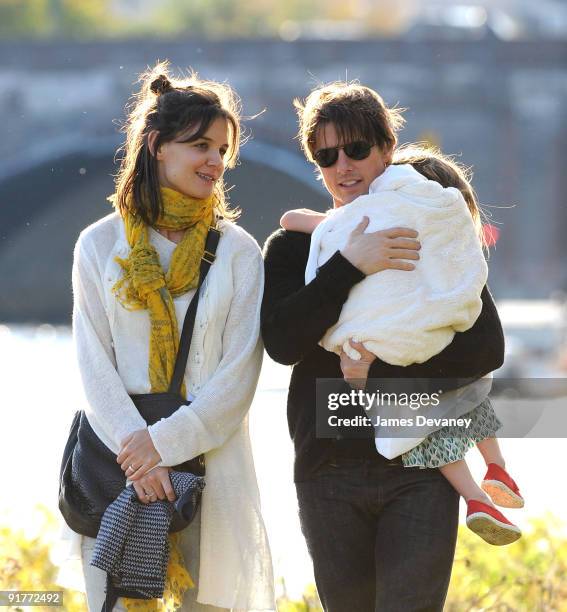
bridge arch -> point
(49, 198)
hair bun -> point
(160, 85)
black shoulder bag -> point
(90, 479)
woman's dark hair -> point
(357, 113)
(172, 107)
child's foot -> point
(502, 489)
(490, 524)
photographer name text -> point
(418, 421)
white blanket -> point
(407, 317)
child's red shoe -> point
(501, 488)
(490, 524)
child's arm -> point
(302, 220)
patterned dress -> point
(451, 444)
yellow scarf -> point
(144, 285)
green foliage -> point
(57, 19)
(527, 576)
(25, 564)
(309, 603)
(19, 19)
(200, 18)
(212, 19)
(234, 18)
(80, 16)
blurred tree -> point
(340, 10)
(22, 19)
(529, 575)
(55, 18)
(389, 17)
(79, 18)
(25, 563)
(204, 18)
(232, 18)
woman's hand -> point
(155, 485)
(382, 250)
(356, 372)
(137, 454)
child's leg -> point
(460, 477)
(491, 453)
(482, 517)
(499, 485)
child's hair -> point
(171, 107)
(435, 166)
(357, 113)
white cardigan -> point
(222, 373)
(406, 317)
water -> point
(41, 390)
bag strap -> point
(207, 260)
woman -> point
(382, 536)
(134, 274)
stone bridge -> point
(501, 106)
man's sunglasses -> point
(358, 150)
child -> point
(404, 321)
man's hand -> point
(383, 250)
